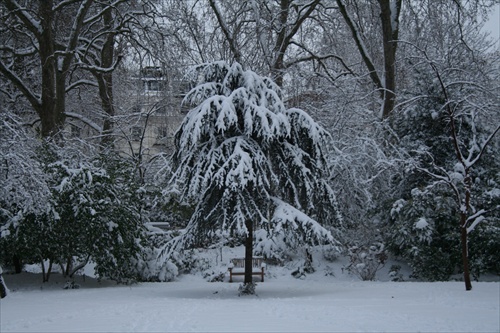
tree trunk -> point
(390, 29)
(47, 108)
(465, 256)
(284, 34)
(46, 273)
(225, 30)
(55, 57)
(59, 110)
(389, 98)
(105, 81)
(248, 252)
(18, 265)
(3, 288)
(49, 270)
(69, 266)
(280, 47)
(78, 267)
(43, 271)
(464, 212)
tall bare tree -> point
(385, 79)
(59, 41)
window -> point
(152, 71)
(136, 133)
(152, 85)
(162, 132)
(153, 79)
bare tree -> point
(384, 80)
(276, 26)
(59, 41)
(460, 105)
(31, 32)
(453, 78)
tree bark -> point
(18, 265)
(105, 80)
(464, 212)
(390, 32)
(465, 205)
(465, 253)
(280, 47)
(55, 60)
(47, 110)
(248, 252)
(69, 266)
(3, 288)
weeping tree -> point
(248, 164)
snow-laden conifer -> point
(245, 161)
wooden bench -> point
(237, 267)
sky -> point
(493, 25)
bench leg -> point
(262, 275)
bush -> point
(366, 261)
(247, 289)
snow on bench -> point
(237, 267)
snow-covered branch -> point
(472, 161)
(31, 23)
(85, 120)
(21, 85)
(80, 83)
(358, 39)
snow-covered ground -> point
(317, 303)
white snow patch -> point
(456, 177)
(318, 303)
(421, 223)
(112, 225)
(494, 192)
(477, 220)
(459, 167)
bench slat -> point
(257, 263)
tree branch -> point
(483, 148)
(84, 120)
(80, 83)
(30, 23)
(34, 100)
(361, 47)
(230, 39)
(316, 57)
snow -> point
(316, 303)
(459, 168)
(477, 220)
(421, 223)
(493, 193)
